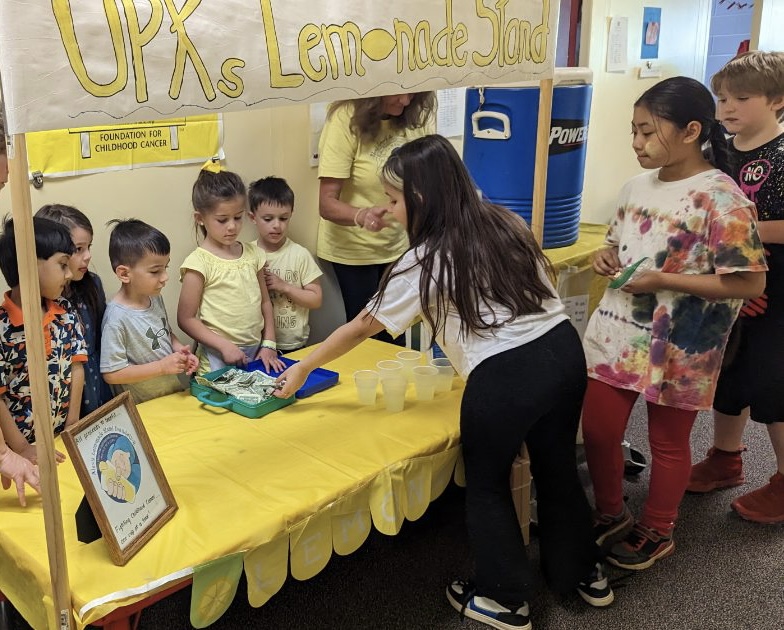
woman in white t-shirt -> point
(479, 281)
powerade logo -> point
(567, 135)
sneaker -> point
(596, 588)
(720, 469)
(462, 596)
(606, 526)
(763, 505)
(640, 549)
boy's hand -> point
(274, 281)
(14, 467)
(606, 262)
(269, 358)
(291, 380)
(175, 363)
(191, 361)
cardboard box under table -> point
(270, 493)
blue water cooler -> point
(500, 145)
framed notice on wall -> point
(121, 476)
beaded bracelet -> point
(356, 216)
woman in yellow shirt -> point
(355, 233)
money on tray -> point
(251, 388)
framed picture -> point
(121, 476)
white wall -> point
(682, 51)
(257, 143)
(766, 31)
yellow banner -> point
(92, 62)
(82, 150)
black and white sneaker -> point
(462, 596)
(596, 588)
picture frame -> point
(121, 476)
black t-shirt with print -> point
(760, 175)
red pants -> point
(606, 411)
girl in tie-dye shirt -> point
(663, 334)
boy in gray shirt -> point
(139, 351)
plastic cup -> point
(425, 381)
(367, 383)
(394, 393)
(410, 359)
(445, 374)
(390, 369)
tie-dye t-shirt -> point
(668, 345)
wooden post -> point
(39, 382)
(542, 155)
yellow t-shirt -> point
(295, 265)
(231, 301)
(343, 156)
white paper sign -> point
(451, 112)
(618, 44)
(66, 64)
(577, 310)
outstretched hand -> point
(14, 467)
(291, 380)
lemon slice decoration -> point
(378, 44)
(214, 600)
(214, 587)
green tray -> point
(213, 398)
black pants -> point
(532, 393)
(359, 283)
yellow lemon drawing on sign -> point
(378, 44)
(215, 599)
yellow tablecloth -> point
(295, 484)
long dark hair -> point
(473, 252)
(84, 291)
(681, 100)
(368, 114)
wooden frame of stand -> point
(30, 289)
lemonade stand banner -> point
(66, 64)
(82, 150)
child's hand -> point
(14, 467)
(274, 281)
(232, 355)
(606, 262)
(30, 453)
(175, 363)
(646, 282)
(291, 380)
(191, 361)
(269, 358)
